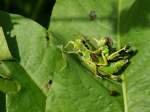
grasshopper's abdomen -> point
(113, 67)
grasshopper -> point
(98, 56)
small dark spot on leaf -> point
(50, 82)
(92, 15)
(48, 85)
(114, 93)
(47, 38)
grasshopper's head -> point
(105, 41)
(108, 41)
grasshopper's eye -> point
(86, 46)
(84, 42)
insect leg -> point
(104, 59)
(69, 43)
(72, 49)
(117, 53)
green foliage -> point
(38, 58)
(28, 46)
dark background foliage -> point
(38, 10)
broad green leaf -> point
(21, 39)
(135, 28)
(126, 21)
(35, 62)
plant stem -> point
(124, 84)
(124, 89)
(118, 24)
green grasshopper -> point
(97, 56)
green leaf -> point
(34, 64)
(126, 21)
(135, 24)
(6, 85)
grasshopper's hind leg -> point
(70, 50)
(69, 43)
(117, 53)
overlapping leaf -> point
(33, 63)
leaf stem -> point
(118, 24)
(124, 84)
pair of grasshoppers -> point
(99, 56)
